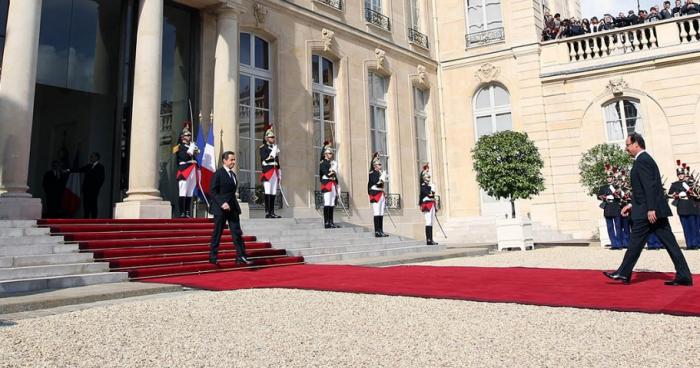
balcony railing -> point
(378, 19)
(336, 4)
(393, 201)
(344, 196)
(629, 45)
(485, 37)
(418, 38)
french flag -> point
(206, 160)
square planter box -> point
(514, 233)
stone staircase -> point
(33, 260)
(473, 230)
(308, 238)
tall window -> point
(621, 118)
(415, 15)
(324, 103)
(492, 114)
(420, 116)
(375, 5)
(254, 95)
(484, 15)
(377, 115)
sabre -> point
(440, 225)
(386, 210)
(284, 197)
(337, 187)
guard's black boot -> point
(181, 206)
(267, 206)
(429, 235)
(377, 231)
(188, 206)
(331, 212)
(272, 207)
(381, 227)
(326, 218)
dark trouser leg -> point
(614, 231)
(626, 229)
(90, 205)
(181, 206)
(234, 224)
(640, 233)
(219, 221)
(188, 206)
(688, 225)
(665, 234)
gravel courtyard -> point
(295, 328)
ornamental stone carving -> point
(380, 56)
(260, 13)
(327, 38)
(617, 86)
(422, 74)
(487, 73)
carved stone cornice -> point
(617, 86)
(229, 7)
(327, 38)
(487, 73)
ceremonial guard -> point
(625, 194)
(609, 195)
(271, 173)
(186, 171)
(427, 202)
(377, 199)
(327, 172)
(681, 193)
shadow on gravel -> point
(6, 323)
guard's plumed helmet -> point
(326, 148)
(425, 173)
(375, 161)
(269, 132)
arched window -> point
(492, 110)
(492, 114)
(255, 104)
(323, 78)
(622, 117)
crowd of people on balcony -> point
(556, 27)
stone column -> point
(143, 198)
(226, 76)
(17, 87)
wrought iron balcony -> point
(344, 196)
(485, 37)
(393, 201)
(336, 4)
(418, 38)
(378, 19)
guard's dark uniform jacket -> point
(184, 164)
(684, 207)
(426, 191)
(611, 207)
(328, 177)
(269, 164)
(375, 187)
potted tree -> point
(592, 171)
(508, 166)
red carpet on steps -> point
(535, 286)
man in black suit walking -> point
(225, 208)
(649, 212)
(94, 178)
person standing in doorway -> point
(54, 183)
(428, 204)
(186, 171)
(271, 171)
(327, 171)
(377, 198)
(650, 212)
(94, 178)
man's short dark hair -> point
(226, 154)
(97, 155)
(637, 138)
(667, 3)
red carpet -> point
(162, 247)
(546, 287)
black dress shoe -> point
(430, 242)
(617, 277)
(377, 234)
(334, 226)
(677, 282)
(213, 260)
(243, 260)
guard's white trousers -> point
(378, 207)
(271, 185)
(186, 187)
(429, 216)
(329, 197)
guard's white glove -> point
(383, 177)
(275, 151)
(334, 166)
(193, 147)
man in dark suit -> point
(650, 212)
(666, 12)
(54, 183)
(225, 208)
(94, 178)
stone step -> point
(302, 244)
(304, 232)
(305, 252)
(44, 259)
(31, 272)
(320, 237)
(30, 240)
(37, 249)
(22, 231)
(340, 257)
(59, 282)
(17, 223)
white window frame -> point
(415, 10)
(254, 74)
(324, 90)
(375, 5)
(623, 119)
(484, 17)
(379, 103)
(421, 136)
